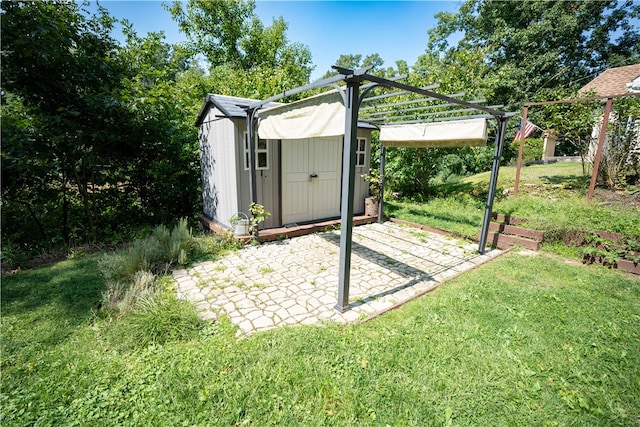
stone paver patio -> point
(295, 281)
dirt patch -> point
(621, 198)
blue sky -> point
(393, 29)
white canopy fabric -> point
(461, 133)
(318, 116)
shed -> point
(297, 180)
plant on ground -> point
(620, 163)
(157, 318)
(258, 214)
(155, 253)
(135, 273)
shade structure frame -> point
(354, 80)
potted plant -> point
(240, 223)
(375, 185)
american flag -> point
(529, 127)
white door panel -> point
(311, 179)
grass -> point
(552, 198)
(518, 341)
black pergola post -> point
(381, 185)
(497, 154)
(348, 184)
(252, 161)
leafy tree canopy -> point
(231, 37)
(529, 45)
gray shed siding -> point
(267, 182)
(361, 190)
(218, 159)
(225, 181)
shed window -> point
(361, 151)
(261, 154)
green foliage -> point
(416, 172)
(373, 178)
(98, 137)
(245, 57)
(620, 164)
(532, 149)
(156, 319)
(130, 272)
(354, 62)
(572, 123)
(527, 46)
(258, 214)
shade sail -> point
(461, 133)
(318, 116)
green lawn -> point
(552, 198)
(519, 341)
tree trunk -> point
(82, 189)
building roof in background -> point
(614, 81)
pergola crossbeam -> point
(423, 108)
(437, 119)
(424, 92)
(412, 101)
(403, 92)
(436, 113)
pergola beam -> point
(403, 92)
(423, 108)
(412, 101)
(446, 98)
(603, 136)
(315, 85)
(436, 113)
(437, 119)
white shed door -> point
(310, 179)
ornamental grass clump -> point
(133, 271)
(156, 317)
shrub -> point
(157, 318)
(532, 149)
(155, 253)
(131, 272)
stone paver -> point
(295, 281)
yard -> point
(522, 340)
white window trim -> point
(245, 153)
(358, 152)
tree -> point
(572, 122)
(531, 45)
(239, 48)
(97, 137)
(62, 68)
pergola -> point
(608, 100)
(357, 85)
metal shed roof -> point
(235, 107)
(230, 106)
